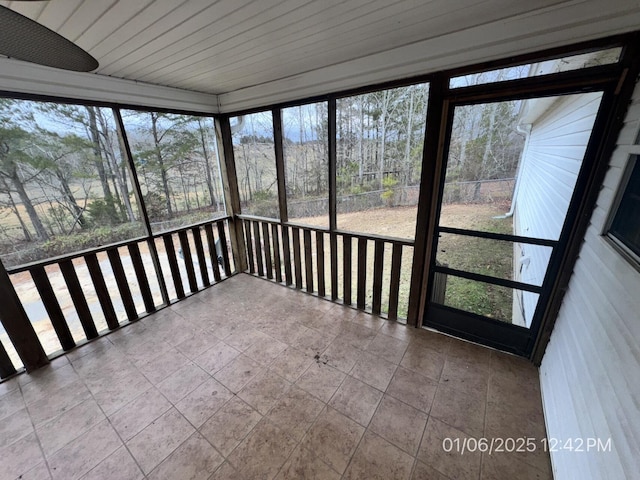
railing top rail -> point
(103, 248)
(366, 236)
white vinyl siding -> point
(550, 165)
(589, 375)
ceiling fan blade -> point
(25, 39)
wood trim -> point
(78, 298)
(280, 167)
(331, 133)
(102, 291)
(425, 221)
(18, 326)
(141, 277)
(52, 306)
(123, 284)
(231, 192)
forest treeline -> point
(65, 182)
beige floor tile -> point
(470, 352)
(441, 448)
(374, 371)
(295, 412)
(305, 465)
(226, 472)
(68, 426)
(504, 421)
(179, 384)
(238, 373)
(266, 351)
(435, 341)
(14, 427)
(85, 452)
(58, 402)
(333, 438)
(153, 444)
(472, 378)
(11, 402)
(264, 390)
(389, 348)
(506, 466)
(196, 345)
(39, 472)
(377, 459)
(119, 465)
(462, 410)
(262, 452)
(341, 355)
(11, 385)
(241, 340)
(412, 388)
(423, 360)
(164, 365)
(356, 400)
(321, 380)
(195, 459)
(425, 472)
(230, 425)
(137, 415)
(216, 357)
(46, 382)
(291, 363)
(399, 423)
(357, 335)
(312, 341)
(20, 456)
(113, 396)
(524, 399)
(199, 405)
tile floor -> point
(250, 380)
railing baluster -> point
(77, 296)
(267, 250)
(394, 286)
(378, 262)
(123, 285)
(173, 264)
(346, 265)
(51, 305)
(258, 242)
(320, 262)
(286, 252)
(188, 261)
(362, 272)
(308, 260)
(202, 262)
(333, 250)
(276, 252)
(223, 246)
(6, 365)
(141, 276)
(213, 253)
(247, 232)
(101, 290)
(296, 256)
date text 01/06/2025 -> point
(525, 444)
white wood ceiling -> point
(238, 48)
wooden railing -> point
(370, 272)
(130, 279)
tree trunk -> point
(68, 194)
(212, 196)
(41, 232)
(97, 153)
(163, 172)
